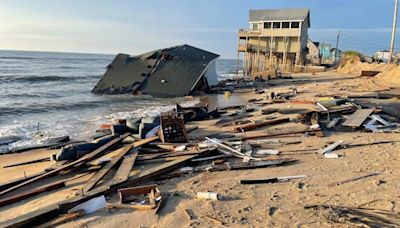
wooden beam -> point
(27, 162)
(50, 212)
(19, 181)
(62, 219)
(77, 163)
(261, 136)
(30, 193)
(123, 151)
(33, 218)
(251, 127)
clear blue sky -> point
(136, 26)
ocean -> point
(47, 94)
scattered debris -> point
(331, 147)
(209, 195)
(358, 118)
(272, 180)
(353, 179)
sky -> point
(137, 26)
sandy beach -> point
(281, 204)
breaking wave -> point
(39, 79)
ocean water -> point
(49, 93)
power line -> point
(363, 41)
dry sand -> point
(264, 205)
(388, 78)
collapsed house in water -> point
(171, 72)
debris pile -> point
(132, 157)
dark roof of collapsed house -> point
(170, 72)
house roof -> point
(169, 72)
(280, 15)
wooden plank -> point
(51, 211)
(261, 136)
(19, 181)
(27, 162)
(30, 193)
(143, 207)
(251, 127)
(358, 118)
(331, 147)
(80, 162)
(99, 175)
(62, 219)
(33, 218)
(124, 169)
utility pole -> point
(337, 46)
(396, 4)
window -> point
(276, 25)
(295, 24)
(267, 25)
(255, 26)
(285, 24)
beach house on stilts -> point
(276, 40)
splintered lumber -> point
(272, 180)
(250, 165)
(236, 152)
(331, 147)
(353, 179)
(30, 193)
(50, 212)
(125, 169)
(99, 175)
(208, 158)
(62, 219)
(131, 206)
(251, 127)
(279, 134)
(32, 219)
(19, 181)
(358, 118)
(78, 163)
(27, 162)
